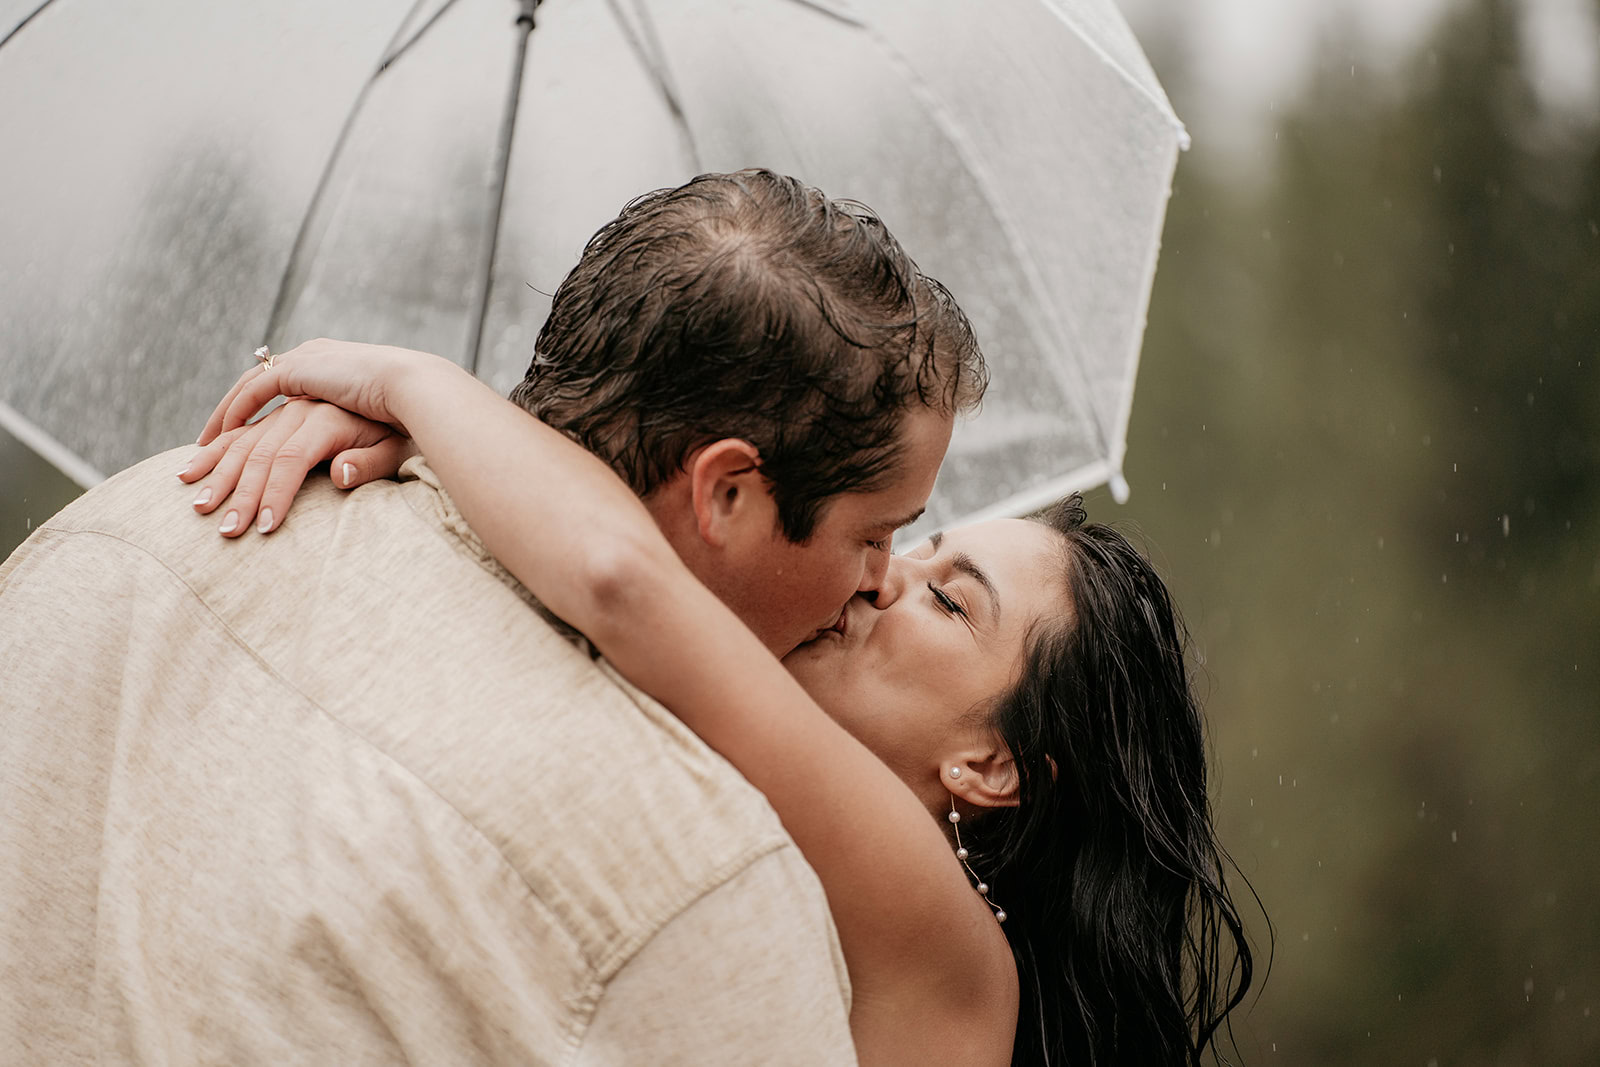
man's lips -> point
(840, 625)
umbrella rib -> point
(29, 17)
(652, 60)
(48, 448)
(283, 303)
(830, 11)
(393, 54)
(980, 175)
(508, 127)
(1157, 97)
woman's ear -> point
(727, 490)
(985, 776)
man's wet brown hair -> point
(749, 305)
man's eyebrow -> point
(909, 519)
(965, 564)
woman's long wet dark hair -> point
(1129, 948)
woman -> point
(995, 764)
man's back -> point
(341, 795)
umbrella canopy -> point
(183, 184)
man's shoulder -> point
(371, 605)
(367, 604)
(480, 724)
(146, 506)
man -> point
(337, 795)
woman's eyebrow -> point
(965, 564)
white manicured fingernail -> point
(184, 471)
(204, 498)
(348, 472)
(264, 524)
(230, 523)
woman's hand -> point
(365, 379)
(258, 468)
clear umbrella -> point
(184, 183)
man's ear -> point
(728, 491)
(984, 775)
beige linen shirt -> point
(339, 796)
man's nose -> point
(873, 572)
(892, 582)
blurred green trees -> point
(1366, 447)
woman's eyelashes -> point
(949, 604)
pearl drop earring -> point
(961, 854)
(955, 772)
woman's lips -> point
(842, 623)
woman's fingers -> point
(250, 474)
(275, 444)
(249, 395)
(217, 484)
(326, 432)
(206, 459)
(214, 424)
(358, 466)
(354, 376)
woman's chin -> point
(809, 660)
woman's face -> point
(944, 637)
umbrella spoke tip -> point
(1119, 487)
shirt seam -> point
(630, 948)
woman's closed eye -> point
(947, 603)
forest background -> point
(1366, 450)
